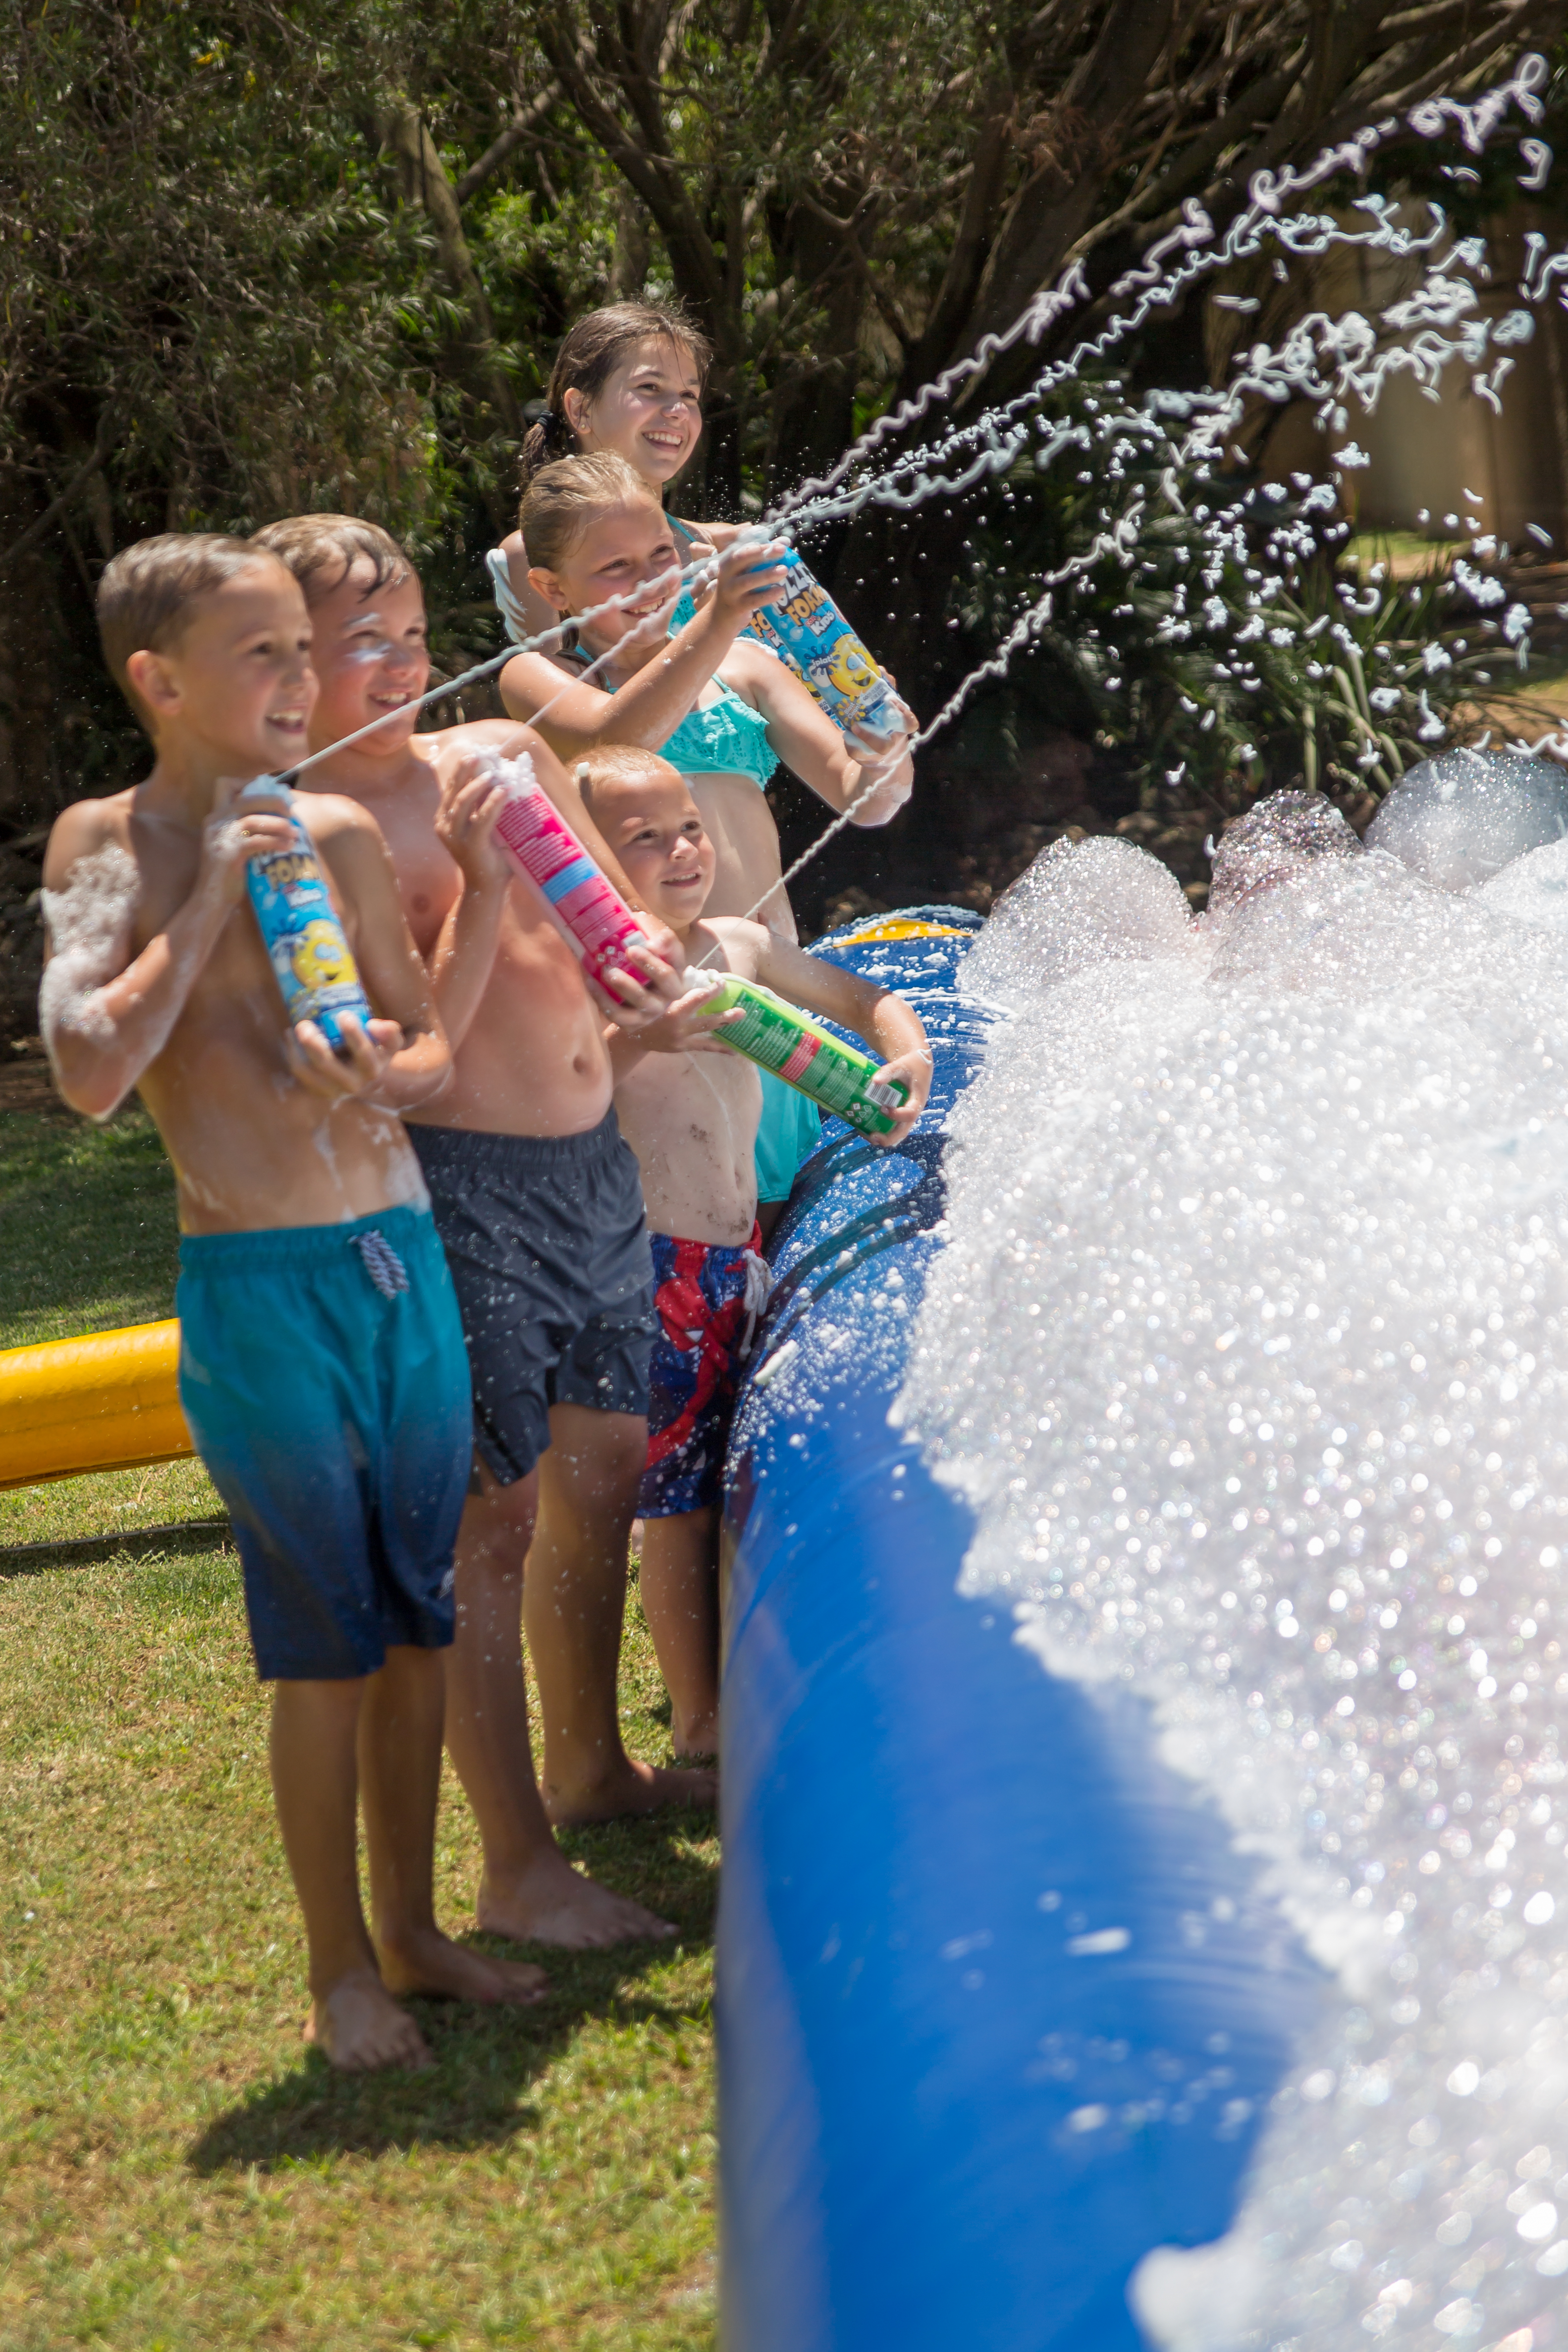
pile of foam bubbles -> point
(1251, 1347)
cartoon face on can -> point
(844, 670)
(319, 958)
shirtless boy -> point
(322, 1357)
(691, 1117)
(537, 1199)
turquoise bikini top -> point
(728, 739)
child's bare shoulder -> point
(331, 818)
(443, 743)
(348, 837)
(81, 830)
(749, 668)
(743, 943)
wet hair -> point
(563, 499)
(624, 760)
(147, 592)
(312, 543)
(589, 356)
(1278, 838)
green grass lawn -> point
(88, 1239)
(177, 2171)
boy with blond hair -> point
(322, 1363)
(538, 1202)
(690, 1116)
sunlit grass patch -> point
(88, 1239)
(176, 2167)
(1407, 553)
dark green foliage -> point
(263, 255)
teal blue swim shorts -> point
(323, 1374)
(790, 1131)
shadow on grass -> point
(473, 2096)
(181, 1540)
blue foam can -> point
(806, 629)
(306, 943)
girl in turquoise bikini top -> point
(596, 533)
(728, 737)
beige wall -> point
(1428, 453)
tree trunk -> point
(31, 637)
(814, 408)
(422, 180)
(634, 249)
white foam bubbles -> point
(1459, 819)
(1533, 889)
(1250, 1348)
(89, 932)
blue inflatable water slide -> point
(999, 2008)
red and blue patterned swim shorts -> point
(708, 1300)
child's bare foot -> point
(634, 1789)
(551, 1903)
(423, 1960)
(360, 2027)
(698, 1739)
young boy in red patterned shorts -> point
(690, 1116)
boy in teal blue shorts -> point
(322, 1365)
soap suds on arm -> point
(89, 934)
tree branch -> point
(983, 200)
(1189, 166)
(524, 122)
(103, 442)
(1036, 232)
(651, 171)
(847, 233)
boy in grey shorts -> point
(548, 1253)
(537, 1200)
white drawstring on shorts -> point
(758, 1291)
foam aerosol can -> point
(306, 943)
(542, 845)
(806, 628)
(781, 1038)
(773, 1034)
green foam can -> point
(781, 1038)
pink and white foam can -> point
(542, 845)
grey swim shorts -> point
(549, 1258)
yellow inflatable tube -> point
(106, 1403)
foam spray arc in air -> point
(1331, 363)
(1325, 361)
(1156, 290)
(1249, 1347)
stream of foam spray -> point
(1326, 360)
(1268, 191)
(1249, 1347)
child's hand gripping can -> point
(781, 1038)
(808, 630)
(542, 845)
(306, 944)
